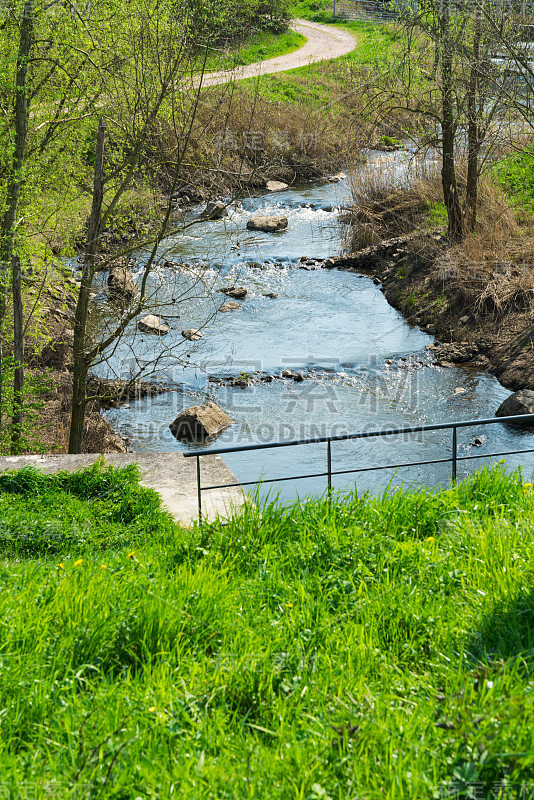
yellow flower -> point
(60, 566)
(131, 555)
(78, 562)
(429, 539)
(527, 486)
(152, 708)
(289, 605)
(103, 566)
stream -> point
(364, 367)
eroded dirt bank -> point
(481, 313)
(50, 376)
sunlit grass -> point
(364, 647)
(261, 46)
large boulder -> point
(276, 186)
(153, 324)
(121, 285)
(198, 422)
(261, 222)
(237, 292)
(521, 402)
(215, 209)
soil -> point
(50, 368)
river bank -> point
(481, 312)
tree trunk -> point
(81, 362)
(473, 139)
(18, 353)
(448, 129)
(15, 177)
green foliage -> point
(372, 646)
(437, 215)
(390, 141)
(314, 10)
(35, 387)
(235, 20)
(515, 174)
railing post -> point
(454, 453)
(334, 12)
(199, 491)
(329, 466)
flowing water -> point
(365, 368)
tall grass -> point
(391, 197)
(367, 647)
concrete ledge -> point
(170, 474)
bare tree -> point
(442, 77)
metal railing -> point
(330, 473)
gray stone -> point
(192, 334)
(272, 295)
(276, 186)
(336, 178)
(237, 292)
(198, 422)
(521, 402)
(261, 222)
(121, 285)
(230, 306)
(153, 324)
(215, 209)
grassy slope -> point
(319, 84)
(515, 175)
(374, 648)
(259, 47)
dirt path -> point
(324, 42)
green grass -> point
(373, 647)
(314, 10)
(320, 84)
(515, 174)
(437, 215)
(260, 47)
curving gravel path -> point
(324, 42)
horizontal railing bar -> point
(265, 480)
(366, 469)
(441, 426)
(494, 455)
(325, 474)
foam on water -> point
(336, 328)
